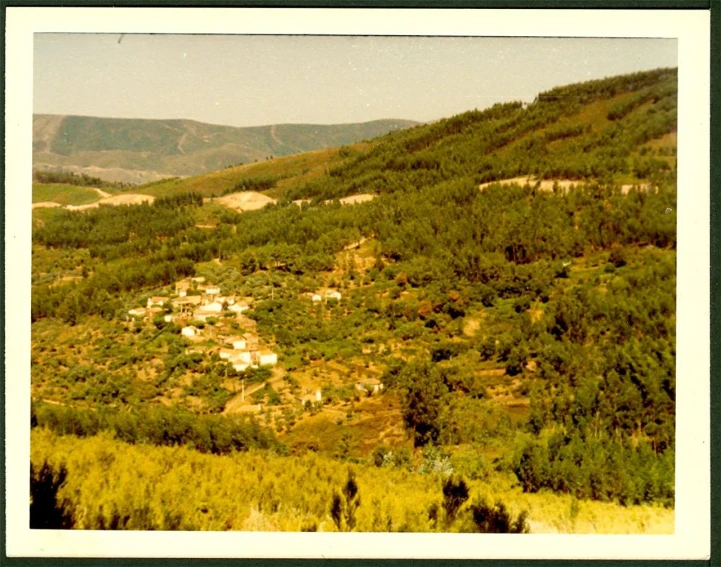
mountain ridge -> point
(142, 150)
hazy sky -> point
(257, 80)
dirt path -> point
(237, 402)
(103, 194)
(180, 143)
(44, 204)
(272, 135)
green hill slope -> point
(179, 147)
(618, 130)
(524, 334)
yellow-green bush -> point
(110, 484)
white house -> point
(212, 291)
(238, 307)
(206, 311)
(267, 358)
(168, 318)
(226, 354)
(333, 295)
(240, 366)
(370, 385)
(199, 279)
(138, 312)
(315, 298)
(186, 302)
(251, 341)
(159, 301)
(311, 399)
(239, 344)
(214, 307)
(243, 356)
(189, 331)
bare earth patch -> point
(124, 199)
(245, 201)
(350, 200)
(548, 184)
(44, 204)
(354, 199)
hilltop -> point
(134, 150)
(487, 330)
(617, 130)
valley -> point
(484, 306)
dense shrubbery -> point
(572, 294)
(157, 426)
(69, 178)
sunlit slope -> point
(257, 492)
(180, 147)
(620, 130)
(271, 176)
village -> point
(213, 323)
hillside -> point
(129, 150)
(610, 131)
(487, 344)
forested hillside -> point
(496, 356)
(152, 149)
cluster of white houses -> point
(245, 352)
(195, 301)
(318, 296)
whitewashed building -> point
(267, 358)
(159, 301)
(190, 331)
(238, 307)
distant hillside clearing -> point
(548, 184)
(45, 204)
(124, 199)
(350, 200)
(245, 200)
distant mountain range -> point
(138, 151)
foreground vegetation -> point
(525, 338)
(108, 484)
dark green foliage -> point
(598, 469)
(70, 178)
(257, 183)
(179, 200)
(157, 426)
(455, 493)
(47, 512)
(344, 506)
(495, 519)
(423, 389)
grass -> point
(291, 171)
(63, 194)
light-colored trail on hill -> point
(549, 184)
(124, 199)
(46, 204)
(103, 194)
(350, 200)
(245, 200)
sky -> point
(259, 80)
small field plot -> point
(64, 194)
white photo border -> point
(691, 28)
